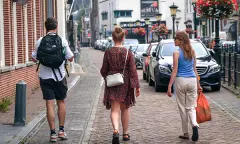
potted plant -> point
(216, 8)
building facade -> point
(21, 24)
(122, 12)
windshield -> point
(142, 47)
(130, 42)
(169, 48)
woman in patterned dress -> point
(122, 97)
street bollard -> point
(20, 104)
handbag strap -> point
(125, 62)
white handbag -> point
(116, 79)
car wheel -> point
(144, 76)
(157, 87)
(150, 81)
(216, 87)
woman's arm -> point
(105, 65)
(134, 82)
(195, 70)
(175, 69)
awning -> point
(227, 27)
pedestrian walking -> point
(121, 97)
(186, 83)
(51, 51)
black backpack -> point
(51, 53)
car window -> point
(142, 47)
(130, 42)
(168, 49)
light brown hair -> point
(118, 34)
(185, 44)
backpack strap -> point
(55, 74)
(65, 65)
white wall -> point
(61, 18)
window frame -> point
(117, 13)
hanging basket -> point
(161, 30)
(216, 8)
(140, 31)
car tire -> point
(216, 87)
(144, 76)
(150, 81)
(157, 87)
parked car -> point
(103, 45)
(138, 53)
(146, 59)
(162, 60)
(130, 42)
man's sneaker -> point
(62, 135)
(53, 138)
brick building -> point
(21, 24)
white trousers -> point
(186, 91)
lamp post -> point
(105, 29)
(100, 34)
(131, 25)
(217, 47)
(147, 22)
(235, 16)
(177, 24)
(114, 25)
(138, 23)
(203, 27)
(158, 18)
(194, 3)
(173, 10)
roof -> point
(172, 40)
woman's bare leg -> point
(115, 114)
(125, 118)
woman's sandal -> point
(126, 137)
(184, 136)
(115, 139)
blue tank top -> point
(185, 66)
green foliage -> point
(4, 104)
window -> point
(104, 15)
(122, 13)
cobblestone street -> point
(154, 120)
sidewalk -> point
(81, 106)
(14, 134)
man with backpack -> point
(51, 52)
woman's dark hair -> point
(51, 24)
(185, 44)
(118, 34)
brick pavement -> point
(155, 120)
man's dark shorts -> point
(53, 89)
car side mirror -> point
(154, 54)
(144, 55)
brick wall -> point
(9, 79)
(8, 32)
(30, 17)
(20, 33)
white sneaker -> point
(53, 138)
(62, 135)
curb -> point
(32, 127)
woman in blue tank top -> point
(186, 84)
